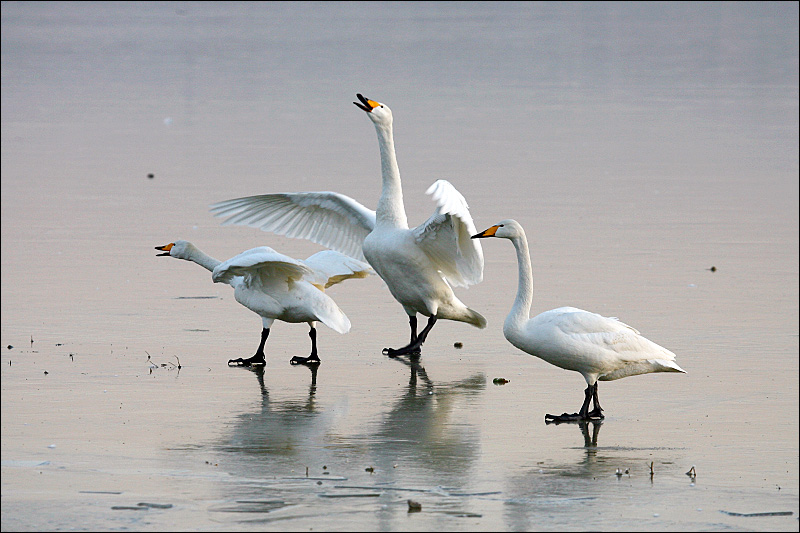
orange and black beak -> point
(366, 105)
(166, 248)
(487, 232)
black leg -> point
(413, 348)
(597, 412)
(258, 358)
(587, 399)
(412, 322)
(584, 414)
(424, 333)
(312, 359)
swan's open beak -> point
(486, 233)
(366, 105)
(166, 248)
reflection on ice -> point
(419, 429)
(588, 441)
(417, 443)
(279, 427)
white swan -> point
(419, 265)
(596, 346)
(278, 287)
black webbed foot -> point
(563, 417)
(256, 360)
(573, 417)
(311, 360)
(584, 413)
(415, 346)
(557, 421)
(595, 414)
(406, 350)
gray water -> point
(638, 144)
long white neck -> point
(521, 310)
(391, 210)
(201, 258)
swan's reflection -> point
(289, 452)
(587, 466)
(258, 370)
(420, 432)
(418, 429)
(578, 476)
(557, 485)
(279, 427)
(589, 442)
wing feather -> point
(331, 219)
(331, 267)
(445, 237)
(261, 261)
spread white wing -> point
(262, 261)
(331, 267)
(331, 219)
(445, 237)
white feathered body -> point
(411, 275)
(600, 348)
(291, 301)
(279, 287)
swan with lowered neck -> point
(278, 287)
(598, 347)
(419, 265)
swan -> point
(600, 348)
(419, 265)
(278, 287)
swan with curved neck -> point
(419, 265)
(278, 287)
(598, 347)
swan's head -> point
(507, 229)
(179, 249)
(377, 112)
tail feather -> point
(645, 366)
(667, 365)
(475, 318)
(338, 322)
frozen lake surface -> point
(638, 144)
